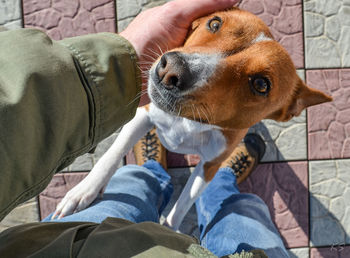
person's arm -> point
(58, 99)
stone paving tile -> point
(60, 184)
(327, 33)
(336, 251)
(66, 18)
(284, 141)
(329, 202)
(285, 21)
(27, 212)
(329, 123)
(10, 14)
(284, 188)
(127, 10)
(299, 253)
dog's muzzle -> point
(177, 75)
(173, 72)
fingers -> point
(191, 10)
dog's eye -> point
(260, 85)
(214, 24)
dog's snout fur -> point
(173, 71)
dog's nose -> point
(173, 71)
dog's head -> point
(231, 73)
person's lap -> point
(133, 193)
(228, 221)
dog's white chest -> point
(185, 136)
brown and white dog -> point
(229, 75)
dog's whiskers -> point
(206, 116)
(160, 49)
(151, 58)
(138, 96)
(200, 124)
(199, 115)
(210, 112)
(178, 114)
(166, 100)
(155, 53)
(145, 62)
(143, 69)
(192, 108)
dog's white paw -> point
(77, 199)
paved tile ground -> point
(66, 18)
(329, 134)
(305, 177)
(10, 14)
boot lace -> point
(240, 164)
(150, 146)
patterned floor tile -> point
(285, 21)
(25, 213)
(329, 123)
(65, 18)
(60, 184)
(284, 188)
(299, 253)
(335, 251)
(327, 33)
(284, 141)
(127, 10)
(10, 14)
(329, 202)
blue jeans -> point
(229, 221)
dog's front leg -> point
(194, 187)
(83, 194)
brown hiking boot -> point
(246, 156)
(150, 148)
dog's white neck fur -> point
(186, 136)
(261, 37)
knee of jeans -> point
(245, 200)
(131, 169)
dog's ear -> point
(193, 27)
(304, 97)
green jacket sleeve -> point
(112, 238)
(58, 99)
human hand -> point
(165, 27)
